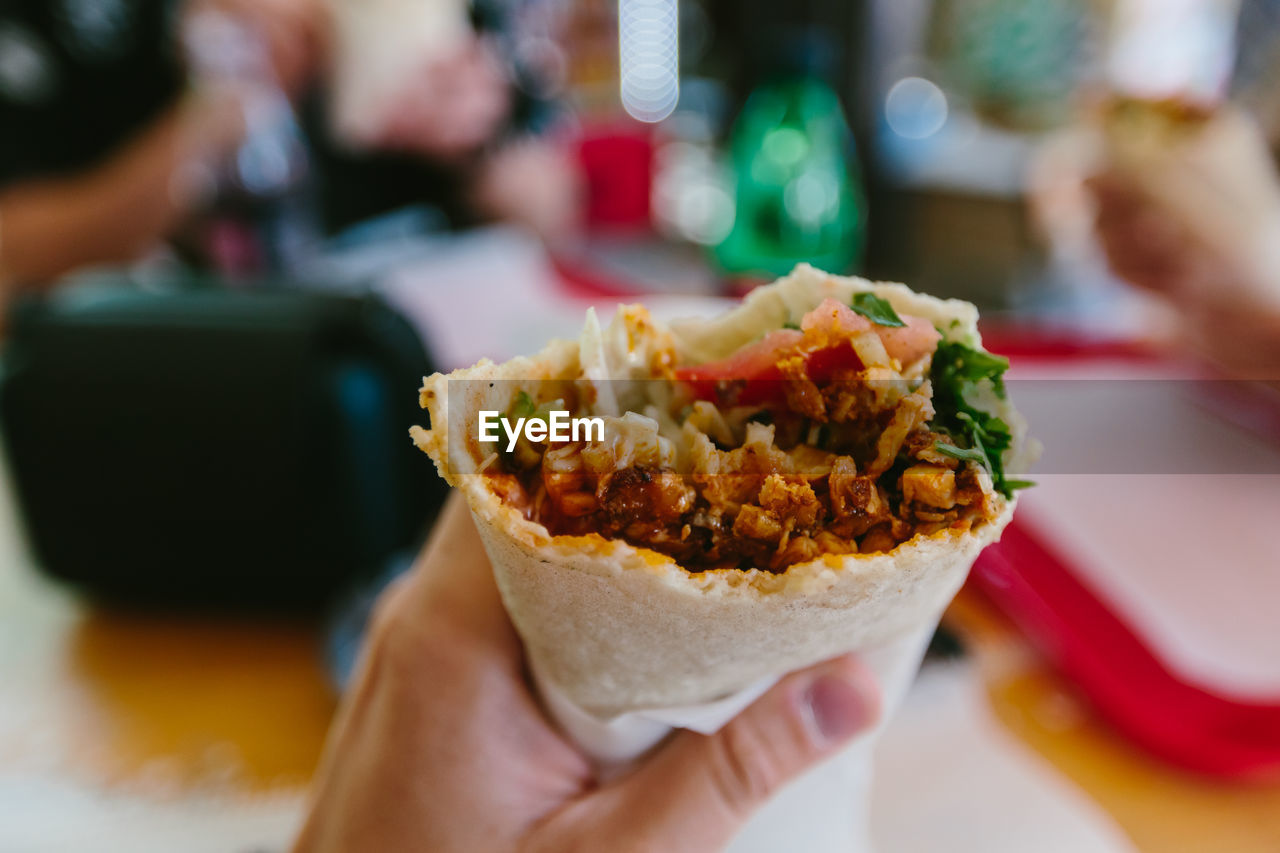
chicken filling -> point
(854, 432)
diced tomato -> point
(824, 340)
(756, 367)
(911, 342)
(905, 343)
(835, 319)
(823, 362)
(754, 361)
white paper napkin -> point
(823, 811)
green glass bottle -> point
(798, 193)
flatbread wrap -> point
(811, 473)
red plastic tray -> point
(1178, 721)
(1117, 672)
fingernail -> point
(838, 708)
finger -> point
(698, 791)
(1131, 260)
(289, 30)
(437, 725)
(1116, 197)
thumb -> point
(697, 792)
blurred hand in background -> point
(1195, 218)
(442, 746)
(455, 104)
(531, 182)
(295, 32)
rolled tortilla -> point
(621, 628)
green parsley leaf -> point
(957, 372)
(876, 310)
(957, 362)
(1014, 485)
(791, 325)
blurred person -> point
(112, 140)
(441, 744)
(99, 133)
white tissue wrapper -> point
(823, 811)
